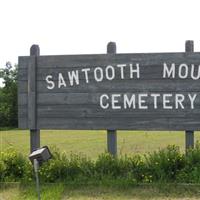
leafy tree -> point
(8, 96)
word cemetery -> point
(156, 91)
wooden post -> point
(32, 110)
(189, 134)
(112, 134)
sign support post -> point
(189, 134)
(32, 91)
(112, 134)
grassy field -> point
(93, 143)
(64, 192)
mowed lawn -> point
(93, 143)
(63, 192)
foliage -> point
(63, 168)
(8, 96)
(191, 172)
(165, 165)
(13, 165)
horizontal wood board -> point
(77, 106)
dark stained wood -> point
(112, 134)
(148, 72)
(32, 99)
(78, 107)
(111, 48)
(34, 139)
(35, 50)
(22, 123)
(93, 60)
(122, 86)
(127, 123)
(93, 99)
(32, 93)
(189, 46)
(189, 134)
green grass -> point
(99, 192)
(92, 143)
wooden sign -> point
(157, 91)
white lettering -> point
(166, 101)
(179, 98)
(192, 99)
(52, 84)
(61, 81)
(112, 74)
(86, 70)
(155, 100)
(137, 70)
(129, 102)
(121, 66)
(183, 71)
(101, 101)
(73, 76)
(100, 78)
(168, 72)
(115, 101)
(142, 101)
(192, 72)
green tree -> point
(8, 96)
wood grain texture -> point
(22, 99)
(189, 134)
(77, 107)
(32, 93)
(32, 99)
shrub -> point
(54, 169)
(191, 172)
(163, 165)
(63, 168)
(2, 170)
(106, 165)
(166, 165)
(193, 156)
(14, 165)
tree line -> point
(8, 96)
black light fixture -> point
(38, 157)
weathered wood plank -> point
(102, 60)
(64, 61)
(120, 124)
(93, 98)
(22, 122)
(22, 100)
(69, 104)
(93, 111)
(120, 86)
(147, 71)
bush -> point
(166, 165)
(163, 165)
(13, 164)
(63, 168)
(191, 172)
(2, 170)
